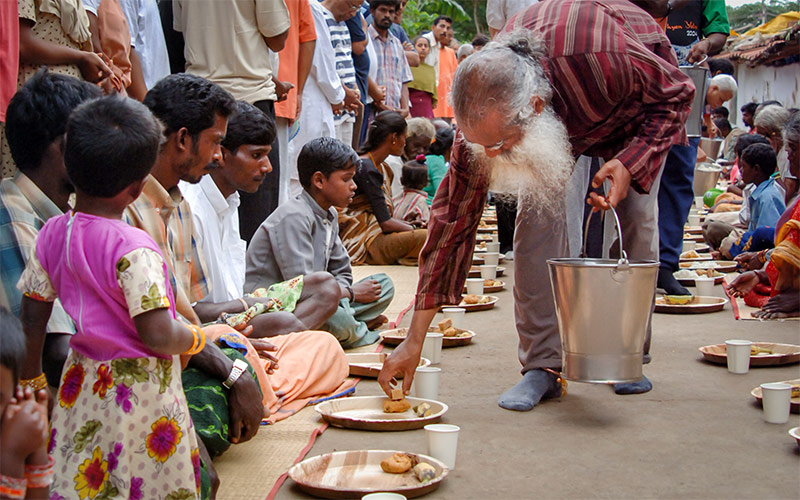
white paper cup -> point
(488, 272)
(776, 400)
(491, 258)
(457, 314)
(704, 287)
(738, 353)
(432, 347)
(426, 382)
(694, 220)
(689, 245)
(698, 202)
(384, 496)
(475, 286)
(443, 442)
(495, 238)
(493, 246)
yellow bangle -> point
(198, 340)
(36, 383)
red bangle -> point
(13, 487)
(40, 476)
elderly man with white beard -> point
(566, 78)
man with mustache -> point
(527, 106)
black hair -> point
(384, 124)
(721, 111)
(415, 173)
(480, 40)
(722, 123)
(374, 4)
(111, 143)
(770, 103)
(187, 101)
(37, 114)
(12, 343)
(761, 157)
(420, 37)
(325, 155)
(248, 125)
(746, 140)
(442, 18)
(750, 107)
(443, 141)
(720, 66)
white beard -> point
(535, 172)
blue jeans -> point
(675, 197)
(348, 323)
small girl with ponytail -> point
(413, 206)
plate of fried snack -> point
(689, 304)
(491, 286)
(795, 401)
(379, 413)
(369, 364)
(472, 302)
(355, 473)
(761, 354)
(453, 337)
(475, 271)
(697, 238)
(692, 255)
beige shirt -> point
(225, 42)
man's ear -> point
(318, 180)
(224, 156)
(538, 104)
(183, 139)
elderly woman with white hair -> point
(770, 122)
(617, 94)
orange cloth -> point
(302, 30)
(448, 63)
(115, 39)
(311, 365)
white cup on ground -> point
(738, 353)
(689, 245)
(495, 238)
(493, 247)
(776, 400)
(488, 272)
(705, 287)
(694, 220)
(426, 382)
(383, 496)
(432, 347)
(491, 258)
(475, 286)
(456, 314)
(443, 442)
(699, 203)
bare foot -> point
(377, 322)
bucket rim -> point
(592, 262)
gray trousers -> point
(538, 238)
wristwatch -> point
(239, 367)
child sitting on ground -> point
(302, 236)
(121, 424)
(25, 468)
(412, 205)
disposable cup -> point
(694, 220)
(493, 247)
(776, 400)
(443, 442)
(488, 272)
(426, 382)
(475, 286)
(384, 496)
(698, 202)
(738, 353)
(689, 245)
(495, 238)
(432, 347)
(456, 314)
(705, 287)
(491, 258)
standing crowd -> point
(187, 185)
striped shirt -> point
(167, 218)
(618, 90)
(343, 50)
(24, 209)
(412, 205)
(393, 69)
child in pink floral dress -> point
(121, 427)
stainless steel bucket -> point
(711, 147)
(699, 76)
(706, 176)
(603, 308)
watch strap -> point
(239, 367)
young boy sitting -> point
(413, 205)
(302, 236)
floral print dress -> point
(121, 427)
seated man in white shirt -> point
(214, 202)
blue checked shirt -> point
(24, 209)
(393, 69)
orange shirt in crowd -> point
(301, 30)
(448, 63)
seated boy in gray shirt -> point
(302, 236)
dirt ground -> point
(697, 434)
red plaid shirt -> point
(617, 89)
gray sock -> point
(534, 386)
(639, 387)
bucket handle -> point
(622, 264)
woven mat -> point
(742, 310)
(257, 469)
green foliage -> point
(419, 15)
(754, 14)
